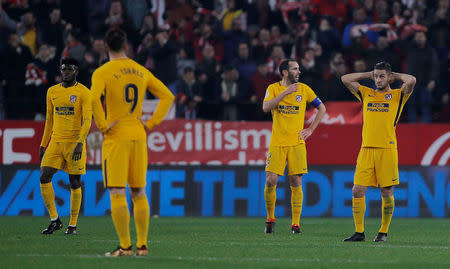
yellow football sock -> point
(359, 208)
(270, 195)
(75, 203)
(49, 199)
(387, 208)
(296, 204)
(141, 219)
(121, 218)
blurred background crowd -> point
(218, 56)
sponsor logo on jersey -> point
(73, 98)
(378, 107)
(298, 98)
(288, 109)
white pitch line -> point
(241, 259)
(296, 243)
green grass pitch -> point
(227, 243)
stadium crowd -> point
(219, 56)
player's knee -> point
(358, 191)
(44, 179)
(75, 182)
(387, 191)
(271, 179)
(136, 192)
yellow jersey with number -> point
(69, 114)
(381, 113)
(289, 115)
(123, 83)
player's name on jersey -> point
(131, 71)
(65, 110)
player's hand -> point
(291, 89)
(111, 125)
(41, 153)
(145, 125)
(77, 152)
(305, 133)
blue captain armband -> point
(316, 102)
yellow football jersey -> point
(381, 112)
(289, 115)
(123, 83)
(69, 114)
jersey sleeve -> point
(270, 94)
(361, 92)
(157, 88)
(97, 90)
(310, 94)
(48, 122)
(86, 107)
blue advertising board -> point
(231, 191)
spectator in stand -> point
(15, 61)
(422, 62)
(143, 55)
(148, 26)
(231, 95)
(360, 66)
(333, 89)
(96, 13)
(185, 58)
(52, 32)
(99, 51)
(40, 73)
(258, 85)
(244, 64)
(383, 52)
(209, 70)
(118, 18)
(232, 38)
(443, 94)
(328, 36)
(310, 72)
(74, 48)
(136, 10)
(275, 59)
(382, 14)
(207, 36)
(188, 95)
(164, 54)
(357, 28)
(264, 46)
(28, 34)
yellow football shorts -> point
(124, 161)
(59, 155)
(377, 167)
(294, 156)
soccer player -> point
(287, 99)
(69, 116)
(377, 163)
(123, 84)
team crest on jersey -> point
(388, 96)
(298, 98)
(73, 98)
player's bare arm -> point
(408, 81)
(305, 133)
(269, 105)
(351, 80)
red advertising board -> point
(238, 143)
